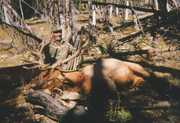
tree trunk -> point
(6, 15)
(127, 11)
(156, 5)
(110, 10)
(93, 15)
(163, 9)
(117, 11)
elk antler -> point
(60, 61)
(38, 54)
(40, 62)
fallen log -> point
(141, 18)
(53, 109)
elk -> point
(99, 82)
(113, 73)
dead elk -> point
(111, 72)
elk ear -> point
(138, 81)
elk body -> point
(113, 73)
(108, 73)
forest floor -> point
(158, 100)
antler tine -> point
(39, 54)
(60, 62)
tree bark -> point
(93, 15)
(110, 10)
(127, 11)
(162, 4)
